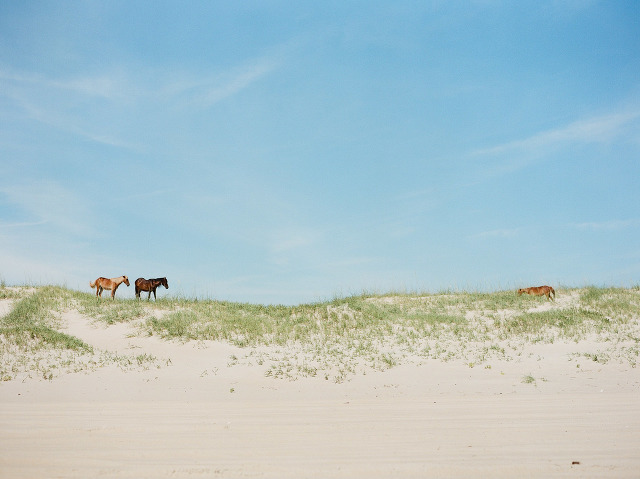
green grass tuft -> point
(338, 338)
(30, 321)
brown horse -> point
(539, 291)
(109, 284)
(150, 285)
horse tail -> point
(93, 283)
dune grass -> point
(348, 335)
(31, 322)
(31, 342)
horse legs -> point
(154, 294)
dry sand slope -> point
(196, 412)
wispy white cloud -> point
(291, 244)
(597, 129)
(50, 203)
(75, 126)
(68, 105)
(21, 224)
(238, 82)
(59, 120)
(83, 105)
(104, 85)
(515, 155)
(291, 241)
(612, 225)
(149, 194)
(350, 262)
(204, 91)
(498, 233)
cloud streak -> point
(591, 130)
(21, 224)
(204, 91)
(515, 155)
(106, 85)
(51, 204)
(85, 105)
(499, 233)
(613, 225)
(237, 82)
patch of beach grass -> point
(31, 321)
(31, 345)
(29, 339)
(346, 336)
(8, 293)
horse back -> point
(537, 290)
(147, 284)
(160, 281)
(105, 283)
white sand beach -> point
(195, 412)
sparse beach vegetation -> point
(338, 338)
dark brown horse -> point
(109, 284)
(150, 285)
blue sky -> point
(288, 152)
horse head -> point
(164, 282)
(126, 280)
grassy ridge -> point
(246, 324)
(30, 322)
(31, 343)
(343, 335)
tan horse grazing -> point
(109, 284)
(539, 291)
(150, 285)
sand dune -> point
(194, 412)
